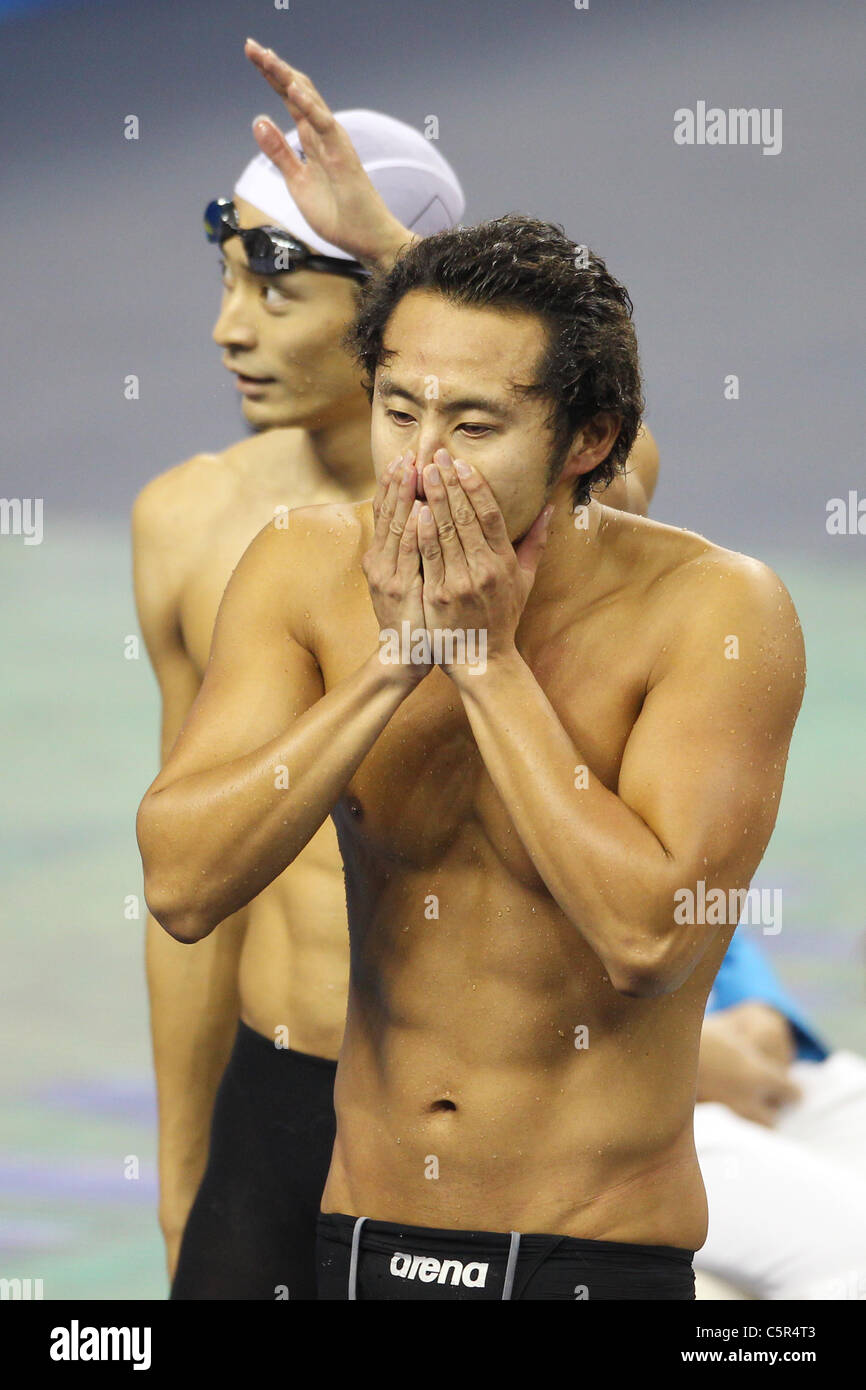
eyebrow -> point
(388, 387)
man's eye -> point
(226, 275)
(272, 295)
(470, 426)
(400, 417)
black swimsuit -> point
(363, 1259)
(251, 1233)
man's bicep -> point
(158, 576)
(259, 678)
(705, 762)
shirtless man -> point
(260, 1005)
(281, 966)
(525, 1009)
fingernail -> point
(548, 511)
(462, 468)
(416, 507)
(425, 514)
(432, 472)
(443, 456)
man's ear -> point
(591, 444)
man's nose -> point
(234, 327)
(428, 440)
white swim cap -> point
(413, 179)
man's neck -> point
(570, 569)
(340, 453)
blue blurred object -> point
(745, 974)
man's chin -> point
(518, 533)
(261, 416)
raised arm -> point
(194, 1006)
(330, 186)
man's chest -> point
(423, 791)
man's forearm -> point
(602, 864)
(392, 241)
(212, 840)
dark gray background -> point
(736, 261)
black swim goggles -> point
(272, 250)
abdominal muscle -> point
(472, 1095)
(294, 965)
(524, 1149)
(475, 1101)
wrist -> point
(391, 240)
(493, 670)
(390, 674)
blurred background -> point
(737, 262)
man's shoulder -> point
(171, 518)
(323, 542)
(209, 480)
(302, 566)
(715, 600)
(717, 581)
(711, 576)
(336, 525)
(172, 500)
